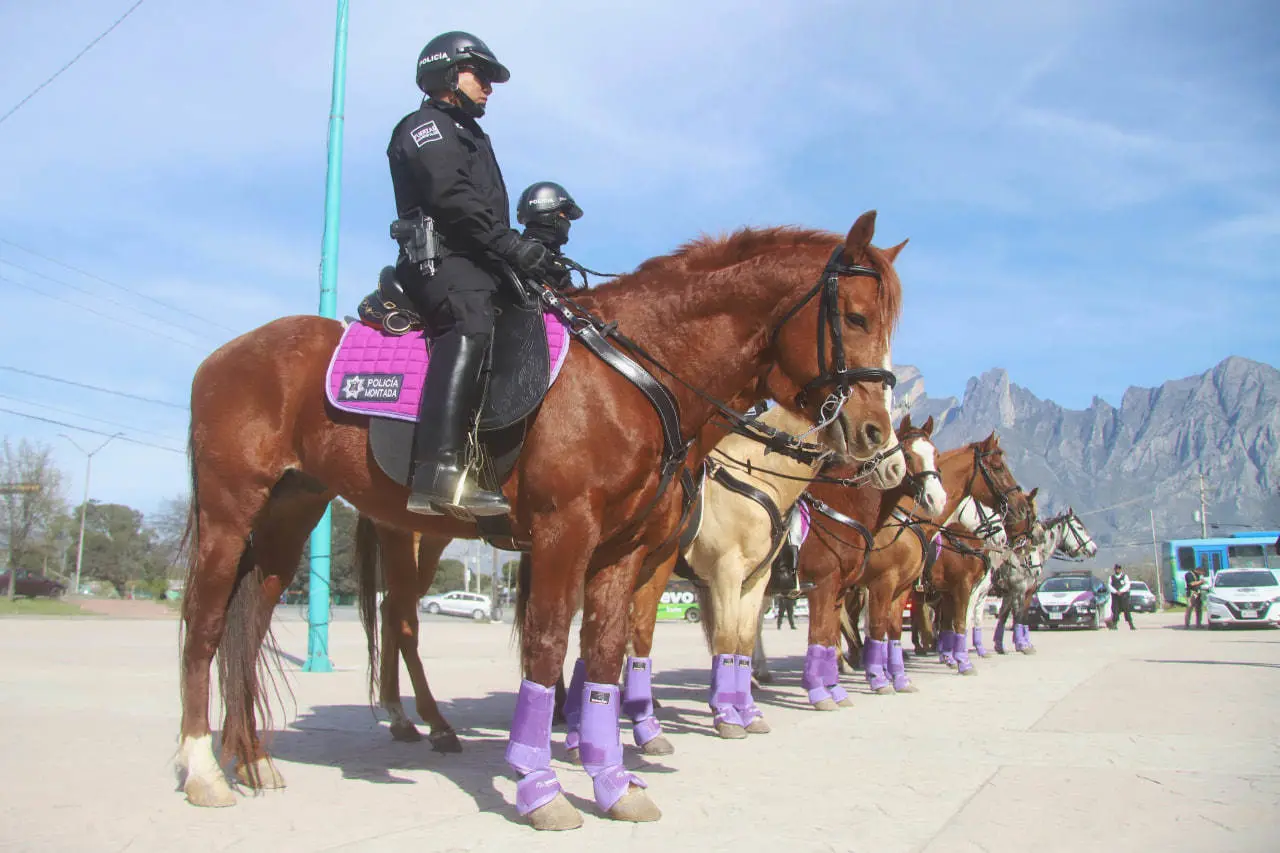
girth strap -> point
(926, 548)
(852, 523)
(777, 528)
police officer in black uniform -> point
(546, 210)
(443, 167)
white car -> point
(1243, 597)
(458, 604)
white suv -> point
(458, 604)
(1243, 597)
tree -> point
(450, 575)
(343, 579)
(170, 525)
(26, 517)
(119, 548)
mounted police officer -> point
(546, 210)
(443, 167)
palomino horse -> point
(1065, 534)
(748, 494)
(268, 453)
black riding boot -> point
(449, 402)
(783, 579)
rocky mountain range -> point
(1115, 466)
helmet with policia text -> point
(545, 197)
(439, 61)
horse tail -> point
(244, 664)
(188, 550)
(368, 550)
(524, 584)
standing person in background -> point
(786, 607)
(1119, 585)
(1197, 584)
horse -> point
(269, 452)
(1063, 533)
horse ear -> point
(905, 424)
(1031, 495)
(859, 238)
(990, 441)
(892, 253)
(928, 426)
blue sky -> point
(1091, 189)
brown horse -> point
(976, 470)
(268, 453)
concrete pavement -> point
(1160, 739)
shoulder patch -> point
(424, 133)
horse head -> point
(992, 483)
(831, 349)
(921, 459)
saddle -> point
(389, 307)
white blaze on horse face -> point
(934, 497)
(972, 515)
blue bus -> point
(1252, 549)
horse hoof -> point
(209, 795)
(910, 688)
(730, 731)
(658, 746)
(827, 704)
(846, 702)
(973, 670)
(266, 777)
(572, 755)
(758, 727)
(1028, 650)
(557, 815)
(446, 741)
(635, 807)
(887, 690)
(405, 732)
(657, 705)
(763, 678)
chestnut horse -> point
(268, 454)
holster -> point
(418, 240)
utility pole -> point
(15, 489)
(84, 505)
(1155, 550)
(1204, 510)
(321, 536)
(493, 586)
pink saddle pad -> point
(373, 373)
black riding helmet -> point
(545, 197)
(438, 65)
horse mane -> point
(709, 254)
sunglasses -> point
(480, 74)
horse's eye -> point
(856, 320)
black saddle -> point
(389, 306)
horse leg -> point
(1020, 620)
(759, 660)
(960, 629)
(279, 536)
(821, 676)
(219, 536)
(976, 616)
(637, 687)
(1001, 617)
(876, 654)
(946, 619)
(897, 667)
(721, 602)
(750, 605)
(605, 630)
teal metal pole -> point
(321, 545)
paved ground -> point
(1161, 739)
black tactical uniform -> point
(442, 165)
(546, 210)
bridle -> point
(838, 375)
(917, 480)
(1003, 505)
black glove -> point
(527, 256)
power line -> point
(73, 61)
(118, 286)
(98, 313)
(93, 431)
(86, 291)
(86, 417)
(92, 387)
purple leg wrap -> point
(637, 700)
(897, 667)
(601, 748)
(1026, 636)
(814, 677)
(573, 704)
(747, 710)
(999, 638)
(529, 749)
(977, 643)
(724, 690)
(960, 649)
(946, 647)
(831, 673)
(877, 656)
(1019, 636)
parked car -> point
(458, 603)
(1243, 597)
(1141, 598)
(32, 585)
(1068, 598)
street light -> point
(84, 505)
